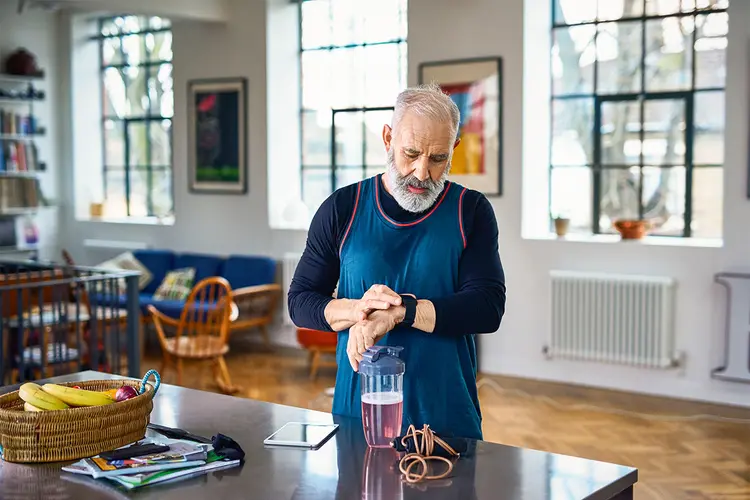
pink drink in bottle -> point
(381, 381)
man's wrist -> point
(409, 305)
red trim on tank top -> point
(407, 224)
(351, 219)
(461, 215)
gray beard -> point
(413, 202)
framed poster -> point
(217, 135)
(475, 85)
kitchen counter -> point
(343, 468)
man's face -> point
(419, 154)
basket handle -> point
(157, 383)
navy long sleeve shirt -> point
(477, 306)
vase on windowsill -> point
(561, 226)
(632, 229)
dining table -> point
(344, 467)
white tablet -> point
(302, 435)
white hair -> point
(428, 101)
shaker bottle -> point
(381, 374)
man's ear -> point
(387, 136)
(455, 144)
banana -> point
(30, 407)
(33, 394)
(77, 397)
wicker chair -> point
(255, 308)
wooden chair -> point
(202, 330)
(255, 305)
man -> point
(417, 265)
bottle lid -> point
(382, 360)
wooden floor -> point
(677, 458)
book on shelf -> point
(19, 193)
(15, 123)
(18, 157)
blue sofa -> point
(241, 271)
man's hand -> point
(366, 333)
(345, 313)
(378, 297)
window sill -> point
(667, 241)
(142, 221)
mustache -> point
(412, 181)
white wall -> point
(37, 31)
(446, 29)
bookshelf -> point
(20, 161)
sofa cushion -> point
(158, 262)
(126, 261)
(204, 265)
(169, 307)
(242, 270)
(177, 285)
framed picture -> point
(217, 140)
(475, 85)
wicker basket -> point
(73, 433)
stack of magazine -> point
(183, 460)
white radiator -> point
(613, 319)
(289, 266)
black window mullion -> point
(149, 123)
(690, 136)
(597, 170)
(333, 150)
(653, 17)
(642, 107)
(103, 99)
(301, 134)
(125, 124)
(689, 141)
(100, 37)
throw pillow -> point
(127, 262)
(177, 285)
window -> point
(352, 66)
(137, 110)
(637, 114)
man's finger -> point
(369, 341)
(378, 304)
(360, 343)
(384, 293)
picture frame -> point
(476, 86)
(217, 135)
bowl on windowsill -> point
(632, 229)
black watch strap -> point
(410, 304)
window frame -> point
(641, 96)
(332, 166)
(148, 119)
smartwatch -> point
(410, 304)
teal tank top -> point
(420, 258)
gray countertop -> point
(343, 468)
